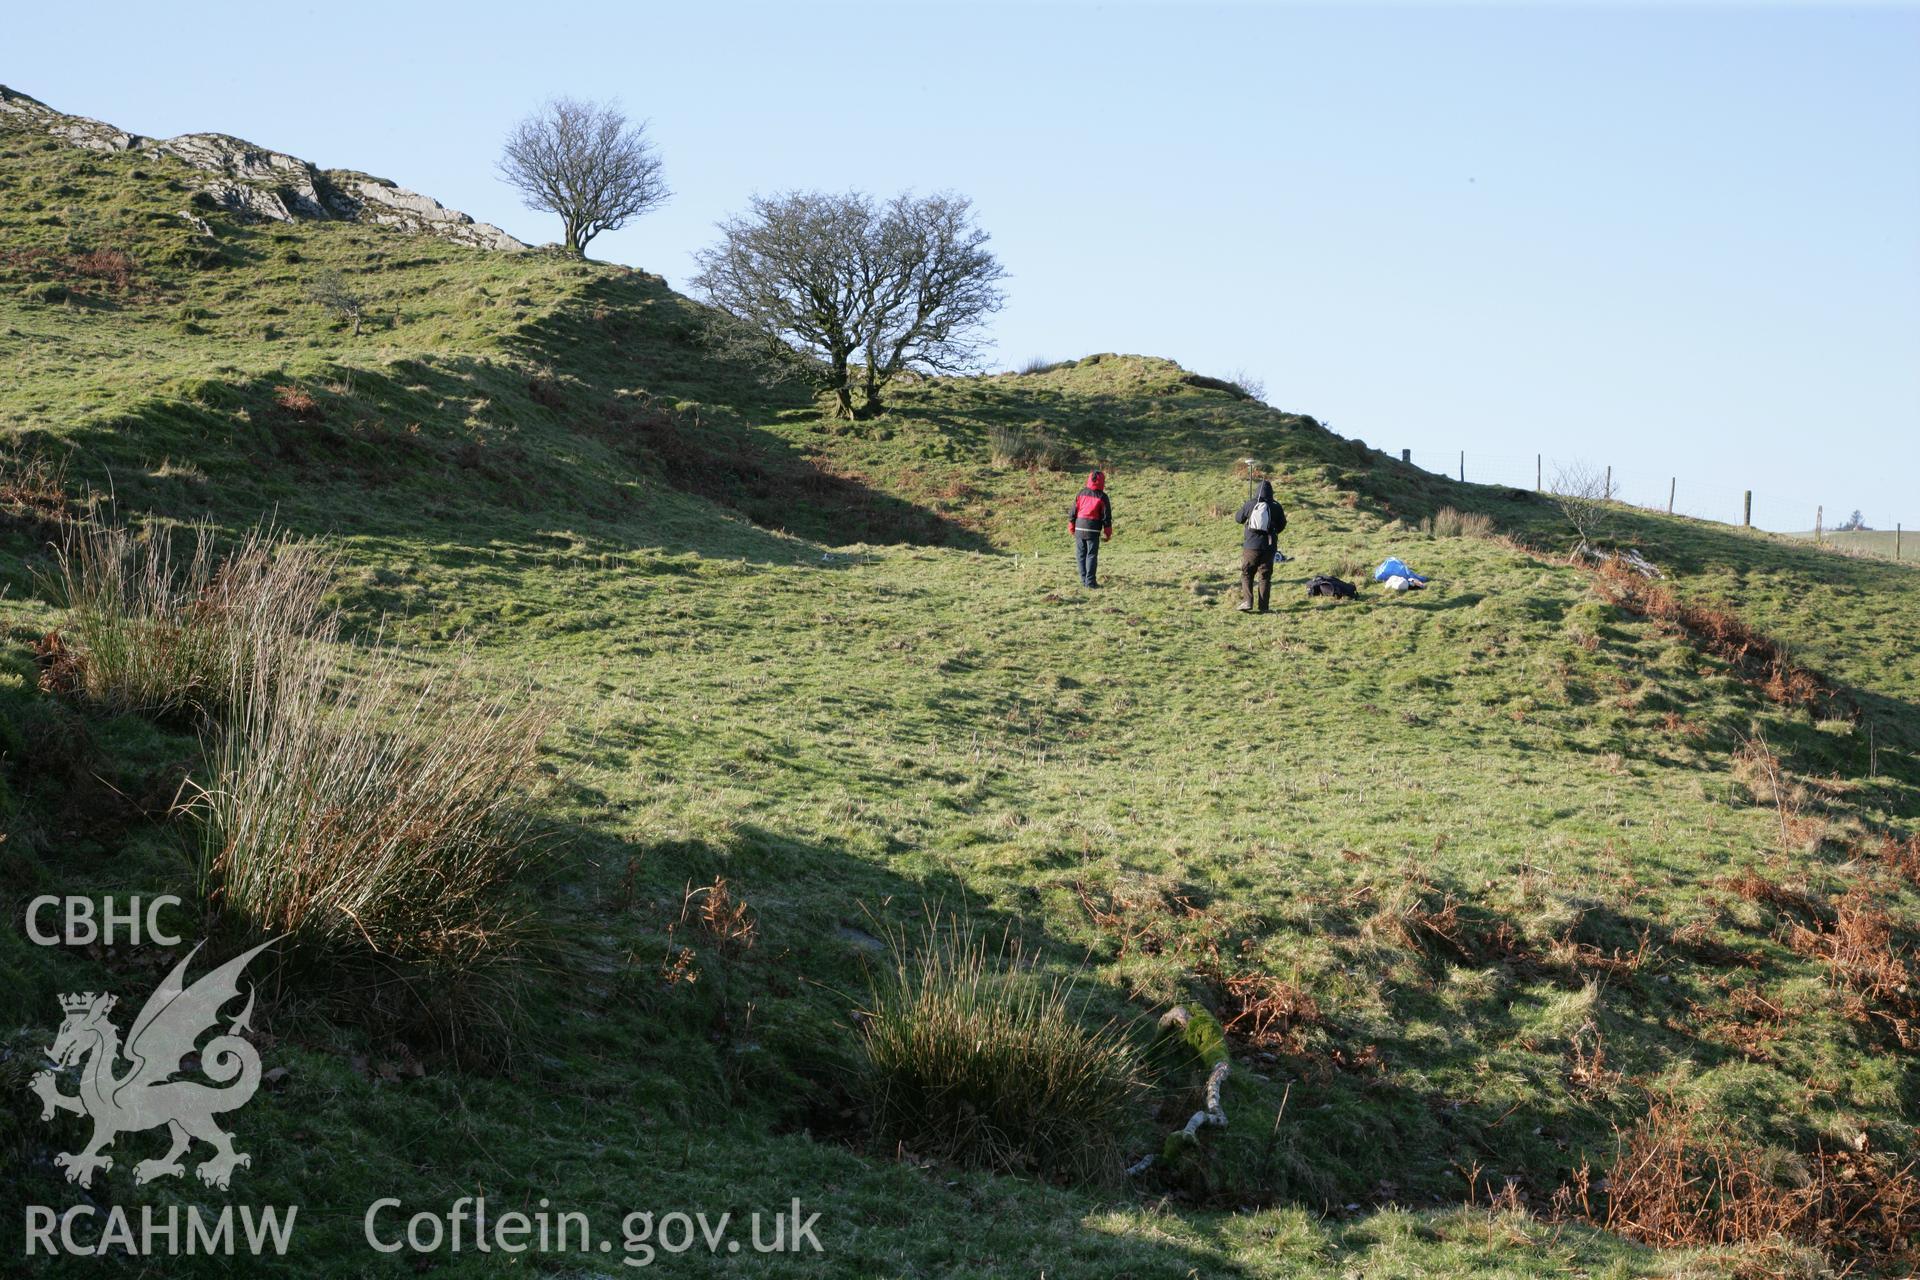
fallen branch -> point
(1630, 559)
(1200, 1032)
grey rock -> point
(287, 186)
(391, 205)
(859, 939)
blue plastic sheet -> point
(1395, 565)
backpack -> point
(1324, 585)
(1261, 518)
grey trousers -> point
(1086, 550)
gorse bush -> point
(146, 633)
(973, 1061)
(372, 813)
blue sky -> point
(1683, 240)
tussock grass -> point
(149, 632)
(973, 1061)
(1040, 364)
(373, 814)
(1449, 522)
(1034, 450)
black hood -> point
(1266, 492)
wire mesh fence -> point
(1641, 486)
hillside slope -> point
(1472, 872)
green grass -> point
(1485, 829)
(1890, 543)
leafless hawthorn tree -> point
(1581, 494)
(795, 269)
(586, 162)
(837, 277)
(936, 283)
(330, 290)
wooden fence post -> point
(1673, 486)
(1819, 520)
(1896, 542)
(1609, 482)
(1463, 466)
(1536, 473)
(1406, 455)
(1746, 520)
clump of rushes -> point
(148, 634)
(972, 1059)
(1034, 450)
(369, 814)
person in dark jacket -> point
(1264, 520)
(1091, 519)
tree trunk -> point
(873, 406)
(842, 388)
(573, 241)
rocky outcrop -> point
(379, 201)
(266, 184)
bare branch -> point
(586, 162)
(835, 276)
(330, 290)
(1580, 493)
(937, 285)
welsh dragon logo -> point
(146, 1095)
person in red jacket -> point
(1091, 520)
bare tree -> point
(795, 270)
(586, 162)
(331, 290)
(1249, 385)
(935, 284)
(839, 278)
(1580, 493)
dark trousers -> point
(1086, 550)
(1256, 564)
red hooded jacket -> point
(1092, 509)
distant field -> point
(1872, 542)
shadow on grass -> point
(381, 453)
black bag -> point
(1322, 585)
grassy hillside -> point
(1874, 542)
(1472, 874)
